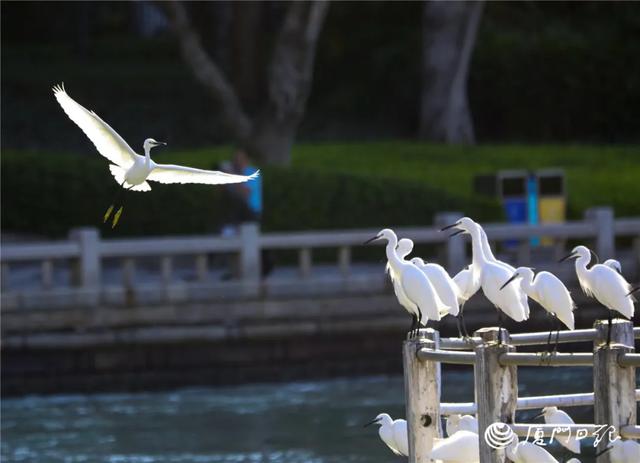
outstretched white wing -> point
(169, 173)
(106, 140)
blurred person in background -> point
(247, 200)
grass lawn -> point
(596, 175)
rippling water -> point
(315, 422)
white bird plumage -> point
(461, 447)
(442, 282)
(511, 300)
(548, 291)
(614, 264)
(457, 422)
(624, 451)
(129, 168)
(603, 283)
(412, 285)
(552, 415)
(393, 433)
(527, 452)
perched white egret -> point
(527, 452)
(442, 282)
(131, 170)
(614, 264)
(457, 422)
(493, 275)
(491, 257)
(624, 451)
(604, 284)
(548, 291)
(554, 416)
(425, 302)
(393, 433)
(468, 282)
(573, 460)
(461, 447)
(403, 249)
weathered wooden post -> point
(613, 385)
(603, 219)
(422, 395)
(455, 249)
(496, 389)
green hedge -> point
(49, 194)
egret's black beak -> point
(450, 226)
(568, 256)
(377, 237)
(374, 421)
(515, 275)
(161, 143)
(538, 416)
(459, 232)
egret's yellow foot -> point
(116, 217)
(107, 214)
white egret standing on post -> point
(492, 275)
(393, 433)
(131, 170)
(461, 447)
(552, 415)
(604, 284)
(548, 291)
(425, 302)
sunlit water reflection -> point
(315, 422)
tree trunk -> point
(268, 135)
(449, 35)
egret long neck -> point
(147, 156)
(485, 246)
(581, 269)
(394, 261)
(479, 258)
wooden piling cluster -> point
(495, 364)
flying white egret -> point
(554, 416)
(457, 422)
(604, 284)
(393, 433)
(131, 170)
(461, 447)
(623, 451)
(492, 275)
(527, 452)
(548, 291)
(426, 304)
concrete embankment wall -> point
(163, 347)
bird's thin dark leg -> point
(414, 323)
(460, 335)
(119, 191)
(500, 328)
(609, 330)
(118, 213)
(550, 333)
(555, 348)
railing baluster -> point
(344, 260)
(46, 268)
(166, 270)
(304, 262)
(202, 267)
(128, 272)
